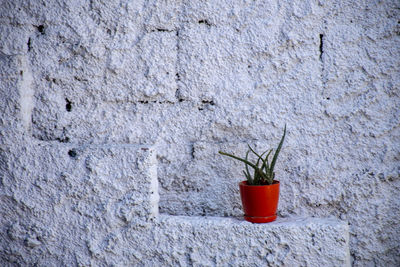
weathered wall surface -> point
(194, 77)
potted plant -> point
(260, 191)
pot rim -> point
(244, 183)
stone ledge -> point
(220, 241)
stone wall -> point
(194, 77)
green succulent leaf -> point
(242, 160)
(277, 152)
(259, 156)
(247, 173)
(263, 174)
(248, 178)
(265, 162)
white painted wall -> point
(193, 77)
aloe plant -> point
(263, 170)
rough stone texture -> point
(192, 77)
(215, 241)
(63, 205)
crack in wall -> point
(29, 44)
(177, 68)
(206, 22)
(322, 62)
(68, 105)
(161, 30)
(322, 58)
(321, 46)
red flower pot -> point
(259, 201)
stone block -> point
(143, 72)
(60, 197)
(218, 241)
